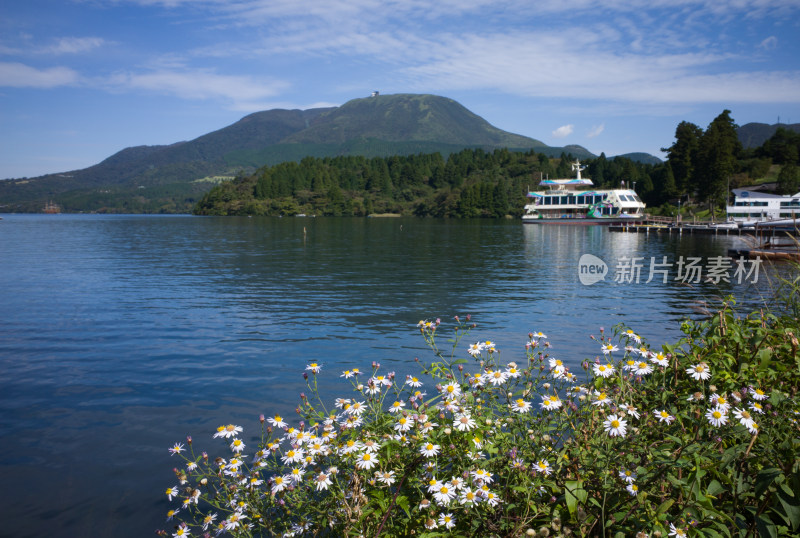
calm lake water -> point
(120, 335)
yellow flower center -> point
(615, 423)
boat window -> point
(564, 200)
(573, 199)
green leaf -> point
(765, 478)
(791, 505)
(766, 528)
(573, 493)
(663, 507)
(714, 488)
(402, 502)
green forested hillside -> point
(470, 183)
(479, 183)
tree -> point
(716, 159)
(789, 179)
(682, 155)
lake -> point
(120, 335)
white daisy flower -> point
(386, 478)
(475, 349)
(403, 424)
(543, 466)
(757, 407)
(609, 348)
(758, 394)
(444, 495)
(550, 402)
(717, 417)
(294, 455)
(463, 422)
(630, 410)
(367, 460)
(237, 446)
(447, 520)
(659, 359)
(495, 377)
(413, 381)
(627, 475)
(601, 398)
(482, 475)
(492, 499)
(520, 406)
(314, 367)
(209, 520)
(228, 431)
(699, 371)
(744, 417)
(512, 372)
(632, 336)
(322, 481)
(603, 370)
(468, 496)
(397, 406)
(279, 483)
(429, 450)
(176, 449)
(296, 475)
(356, 409)
(451, 390)
(277, 421)
(663, 416)
(642, 368)
(721, 402)
(615, 426)
(633, 489)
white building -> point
(755, 206)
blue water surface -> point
(120, 335)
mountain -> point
(753, 135)
(171, 178)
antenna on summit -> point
(376, 93)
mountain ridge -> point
(171, 178)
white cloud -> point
(596, 130)
(769, 43)
(243, 91)
(74, 45)
(563, 131)
(18, 75)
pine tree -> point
(682, 155)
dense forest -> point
(701, 168)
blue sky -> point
(83, 79)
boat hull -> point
(585, 221)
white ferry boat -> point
(571, 201)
